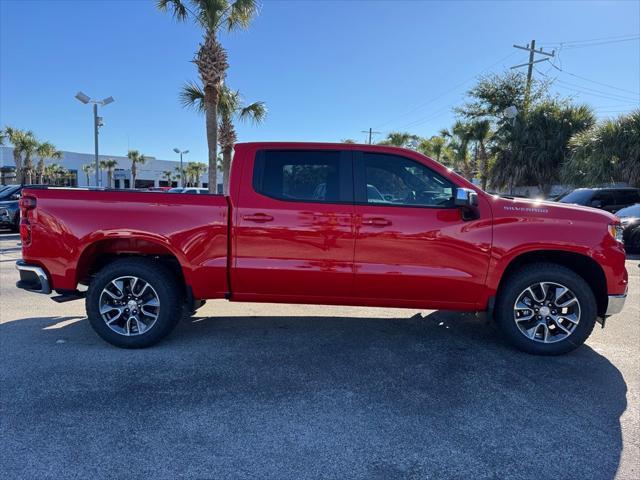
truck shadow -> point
(439, 396)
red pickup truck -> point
(326, 224)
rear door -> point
(294, 228)
(412, 246)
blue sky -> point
(326, 69)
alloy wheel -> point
(129, 305)
(547, 312)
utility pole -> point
(531, 48)
(371, 133)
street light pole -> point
(180, 152)
(95, 140)
(97, 123)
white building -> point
(149, 175)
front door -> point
(413, 246)
(294, 226)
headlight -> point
(615, 230)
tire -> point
(547, 335)
(154, 292)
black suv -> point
(9, 211)
(609, 199)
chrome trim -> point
(616, 304)
(42, 276)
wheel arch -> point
(99, 253)
(581, 264)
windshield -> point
(6, 192)
(632, 211)
(580, 197)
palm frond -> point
(178, 8)
(192, 96)
(256, 112)
(241, 13)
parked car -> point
(437, 242)
(609, 199)
(630, 219)
(9, 210)
(188, 190)
(158, 189)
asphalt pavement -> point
(253, 391)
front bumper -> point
(616, 304)
(32, 278)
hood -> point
(532, 208)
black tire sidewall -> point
(517, 282)
(160, 278)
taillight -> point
(26, 204)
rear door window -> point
(627, 197)
(304, 175)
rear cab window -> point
(304, 175)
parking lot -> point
(280, 391)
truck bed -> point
(71, 226)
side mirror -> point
(596, 203)
(465, 197)
(15, 196)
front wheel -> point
(134, 302)
(546, 309)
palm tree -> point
(230, 106)
(399, 139)
(109, 165)
(193, 171)
(460, 136)
(212, 16)
(177, 175)
(29, 147)
(54, 172)
(22, 141)
(136, 158)
(481, 133)
(168, 176)
(88, 169)
(607, 152)
(44, 151)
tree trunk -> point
(226, 167)
(109, 178)
(211, 114)
(483, 167)
(133, 175)
(17, 158)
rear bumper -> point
(616, 304)
(32, 278)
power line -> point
(594, 81)
(602, 92)
(585, 45)
(439, 96)
(615, 37)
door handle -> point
(258, 217)
(376, 222)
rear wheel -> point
(546, 309)
(134, 302)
